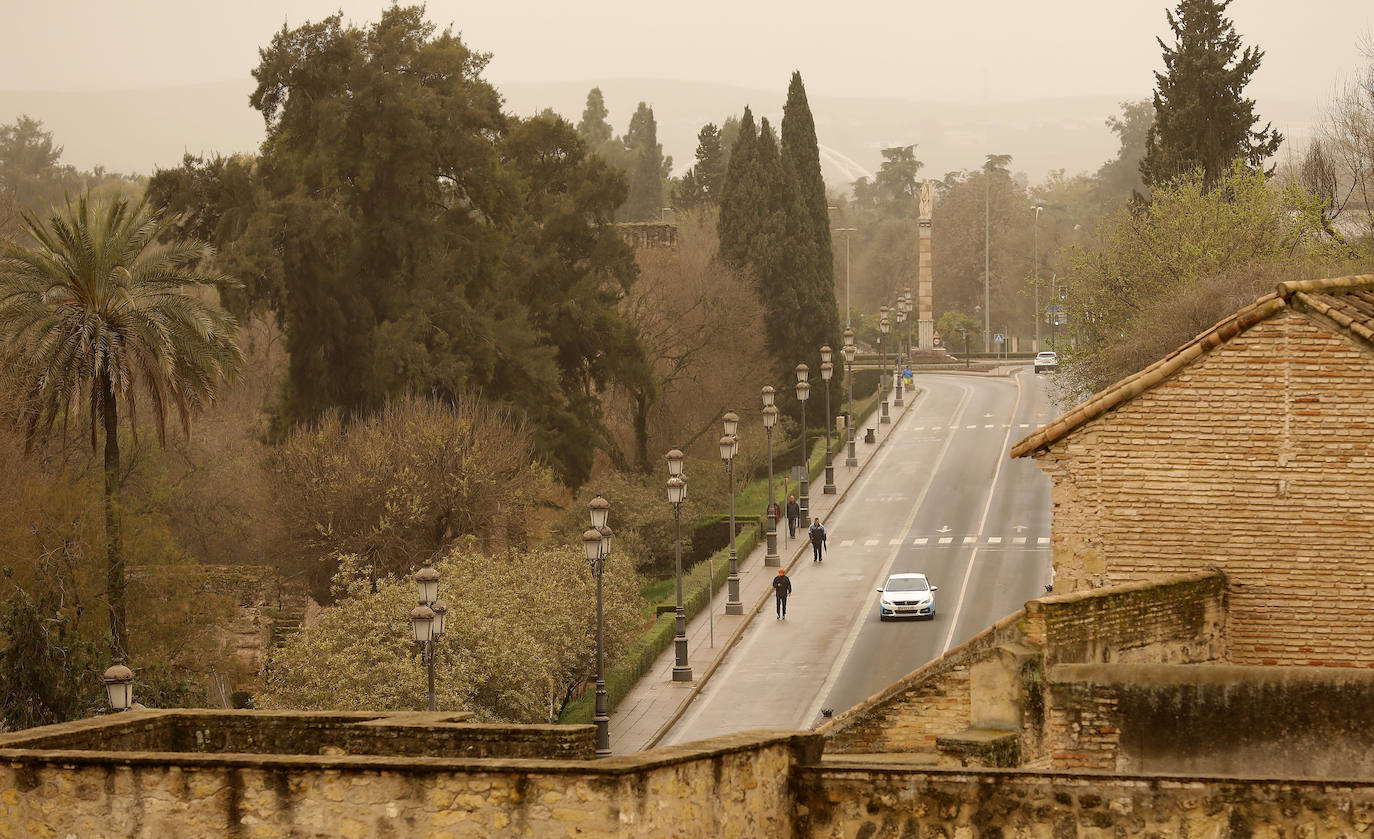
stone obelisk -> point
(925, 298)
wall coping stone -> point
(1178, 674)
(1125, 588)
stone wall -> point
(861, 798)
(994, 680)
(1257, 459)
(406, 734)
(737, 785)
(1280, 721)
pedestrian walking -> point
(817, 534)
(782, 587)
(793, 516)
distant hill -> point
(137, 130)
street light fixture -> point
(803, 393)
(897, 379)
(883, 326)
(770, 419)
(596, 547)
(828, 372)
(427, 621)
(850, 420)
(729, 447)
(677, 493)
(119, 686)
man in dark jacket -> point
(817, 535)
(793, 516)
(782, 587)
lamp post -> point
(850, 420)
(848, 312)
(733, 605)
(596, 546)
(897, 379)
(770, 419)
(883, 327)
(427, 620)
(906, 294)
(827, 372)
(119, 686)
(677, 493)
(803, 393)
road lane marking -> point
(860, 618)
(989, 426)
(1019, 540)
(994, 540)
(982, 524)
(921, 541)
(970, 540)
(868, 543)
(945, 540)
(847, 543)
(891, 542)
(1043, 540)
(970, 426)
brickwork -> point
(1177, 619)
(1258, 459)
(733, 786)
(1289, 722)
(854, 797)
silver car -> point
(907, 596)
(1047, 360)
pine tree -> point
(648, 167)
(739, 199)
(1202, 120)
(594, 129)
(711, 159)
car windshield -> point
(908, 584)
(1046, 355)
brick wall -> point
(1258, 459)
(1218, 719)
(731, 786)
(1176, 619)
(865, 798)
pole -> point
(882, 382)
(805, 501)
(601, 718)
(987, 257)
(829, 488)
(733, 606)
(1037, 279)
(682, 671)
(770, 556)
(429, 658)
(850, 419)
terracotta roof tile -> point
(1346, 301)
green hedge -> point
(636, 661)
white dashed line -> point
(868, 543)
(945, 540)
(994, 540)
(989, 426)
(847, 543)
(970, 426)
(920, 541)
(970, 540)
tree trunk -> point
(641, 424)
(114, 517)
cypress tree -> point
(594, 129)
(739, 199)
(1202, 120)
(646, 167)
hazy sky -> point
(971, 50)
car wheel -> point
(882, 617)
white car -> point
(1046, 360)
(907, 596)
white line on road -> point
(982, 523)
(970, 540)
(860, 618)
(868, 543)
(994, 540)
(891, 542)
(1043, 540)
(921, 541)
(945, 540)
(1019, 540)
(847, 543)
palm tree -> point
(102, 307)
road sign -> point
(999, 338)
(935, 339)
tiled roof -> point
(1347, 302)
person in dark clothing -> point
(793, 516)
(817, 534)
(782, 586)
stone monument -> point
(925, 298)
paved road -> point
(941, 498)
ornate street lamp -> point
(828, 372)
(770, 419)
(596, 547)
(804, 393)
(883, 326)
(119, 687)
(729, 446)
(851, 421)
(677, 493)
(427, 620)
(897, 388)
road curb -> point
(749, 616)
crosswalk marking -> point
(891, 542)
(1043, 540)
(969, 540)
(970, 426)
(945, 540)
(1025, 425)
(994, 540)
(847, 543)
(1019, 540)
(989, 426)
(870, 542)
(920, 541)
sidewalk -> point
(655, 704)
